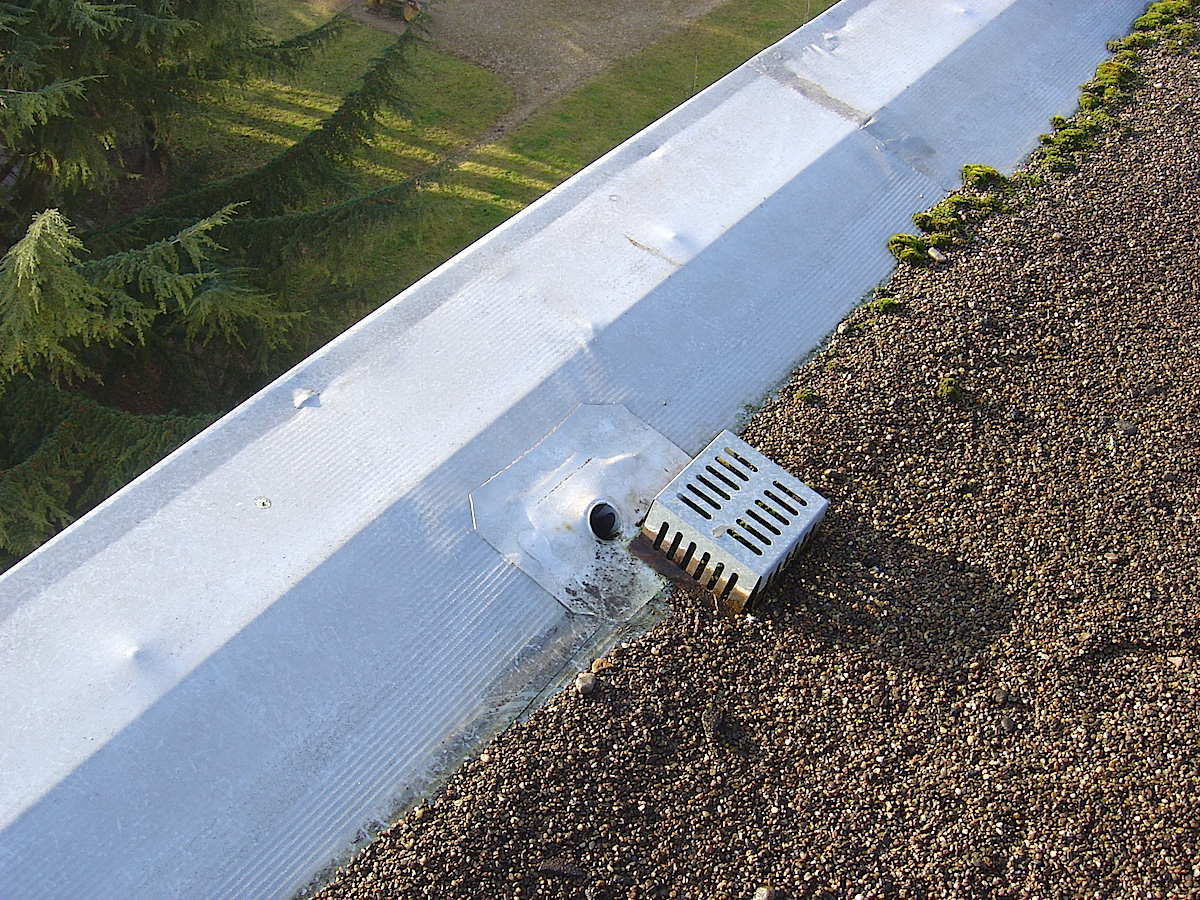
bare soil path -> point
(542, 48)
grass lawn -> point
(447, 103)
(642, 88)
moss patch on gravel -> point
(948, 223)
(985, 191)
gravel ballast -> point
(982, 679)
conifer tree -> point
(87, 87)
(190, 288)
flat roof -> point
(290, 626)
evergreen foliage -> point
(88, 91)
(47, 305)
(88, 88)
(317, 165)
(301, 206)
(53, 306)
(69, 454)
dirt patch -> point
(542, 48)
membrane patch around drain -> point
(565, 512)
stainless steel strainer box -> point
(732, 520)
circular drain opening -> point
(605, 521)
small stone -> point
(765, 893)
(937, 255)
(1000, 696)
(710, 722)
(1113, 558)
(1014, 414)
(1126, 427)
(485, 758)
(585, 683)
(1176, 661)
(1057, 236)
(599, 665)
(1007, 725)
(845, 328)
(560, 866)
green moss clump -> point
(947, 388)
(1115, 78)
(1166, 23)
(1162, 14)
(908, 248)
(983, 178)
(941, 218)
(1062, 149)
(945, 224)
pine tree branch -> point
(69, 453)
(314, 165)
(53, 305)
(24, 109)
(292, 53)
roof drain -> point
(605, 521)
(731, 521)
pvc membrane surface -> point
(289, 627)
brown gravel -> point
(983, 679)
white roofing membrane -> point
(289, 627)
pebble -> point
(765, 893)
(711, 721)
(1007, 724)
(1000, 696)
(937, 255)
(1126, 427)
(585, 683)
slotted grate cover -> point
(732, 520)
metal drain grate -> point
(732, 520)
